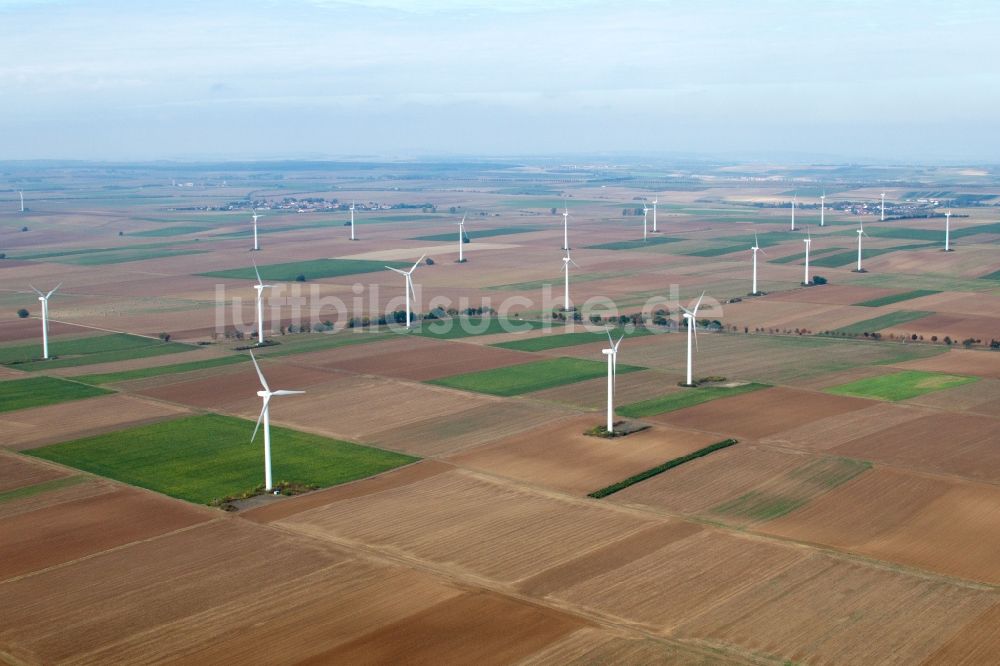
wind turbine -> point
(947, 231)
(882, 215)
(655, 201)
(352, 222)
(260, 287)
(461, 240)
(690, 315)
(822, 209)
(44, 299)
(265, 415)
(566, 262)
(794, 198)
(565, 225)
(21, 194)
(861, 232)
(612, 354)
(408, 288)
(808, 241)
(256, 245)
(645, 215)
(756, 249)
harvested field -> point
(282, 596)
(761, 413)
(981, 396)
(14, 330)
(529, 377)
(692, 566)
(417, 359)
(466, 429)
(830, 294)
(937, 524)
(960, 361)
(67, 489)
(31, 428)
(60, 533)
(559, 456)
(960, 444)
(834, 611)
(460, 519)
(975, 643)
(597, 646)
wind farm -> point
(330, 334)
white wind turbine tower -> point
(612, 354)
(408, 287)
(861, 232)
(822, 209)
(21, 194)
(256, 244)
(461, 240)
(565, 225)
(808, 241)
(882, 214)
(265, 416)
(947, 231)
(794, 198)
(260, 287)
(44, 299)
(645, 215)
(691, 315)
(656, 200)
(566, 262)
(352, 222)
(756, 249)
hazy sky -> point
(892, 81)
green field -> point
(528, 377)
(884, 321)
(897, 298)
(684, 398)
(87, 351)
(634, 244)
(312, 270)
(900, 385)
(556, 341)
(142, 373)
(301, 343)
(210, 457)
(38, 391)
(463, 327)
(478, 233)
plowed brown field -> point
(19, 471)
(959, 362)
(965, 445)
(64, 532)
(31, 428)
(559, 456)
(948, 526)
(762, 413)
(959, 327)
(827, 433)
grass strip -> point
(659, 469)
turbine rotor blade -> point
(263, 382)
(417, 264)
(286, 392)
(698, 304)
(396, 270)
(260, 417)
(36, 291)
(53, 290)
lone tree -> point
(23, 313)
